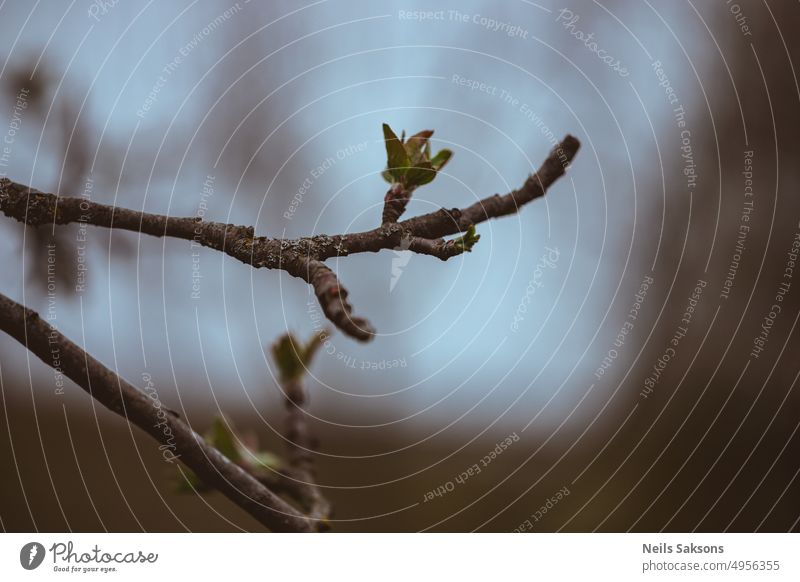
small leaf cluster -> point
(465, 242)
(241, 450)
(409, 162)
(293, 357)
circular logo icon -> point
(31, 555)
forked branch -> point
(303, 257)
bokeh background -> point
(278, 106)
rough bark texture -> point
(300, 257)
(395, 202)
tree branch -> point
(332, 298)
(292, 360)
(299, 444)
(444, 222)
(395, 202)
(444, 249)
(175, 435)
(300, 257)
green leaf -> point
(222, 438)
(311, 348)
(413, 166)
(189, 482)
(416, 144)
(397, 160)
(440, 159)
(265, 461)
(419, 175)
(467, 241)
(288, 356)
(291, 357)
(243, 451)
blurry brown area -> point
(79, 469)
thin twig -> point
(299, 444)
(292, 360)
(395, 203)
(332, 298)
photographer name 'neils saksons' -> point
(664, 548)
